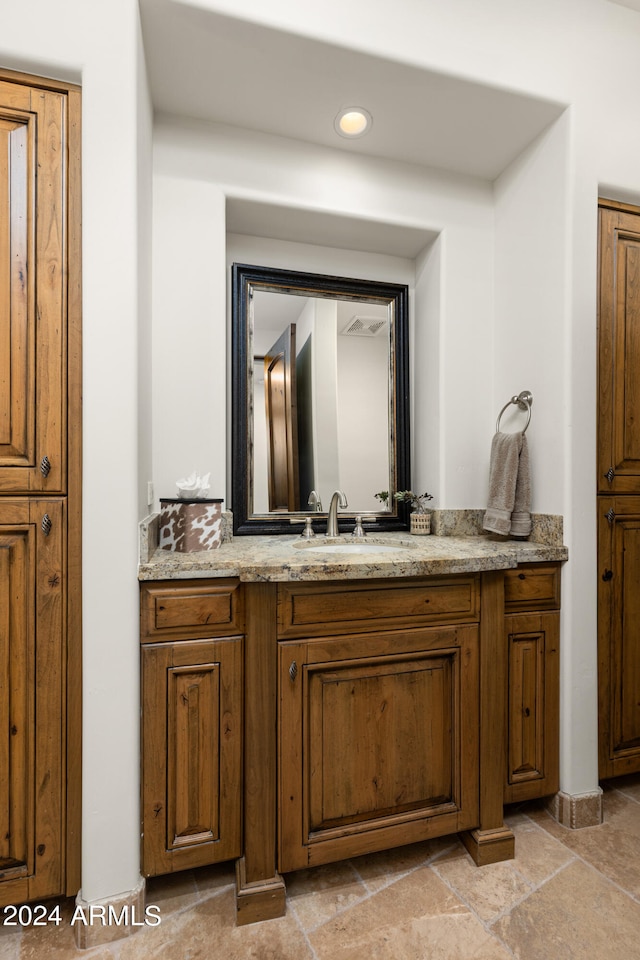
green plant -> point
(383, 497)
(418, 501)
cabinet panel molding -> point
(192, 770)
(526, 695)
(33, 292)
(533, 706)
(17, 667)
(17, 354)
(385, 715)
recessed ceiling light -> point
(353, 122)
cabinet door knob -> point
(610, 474)
(607, 575)
(45, 466)
(293, 670)
(46, 524)
(610, 515)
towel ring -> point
(524, 400)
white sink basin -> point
(347, 546)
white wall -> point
(275, 170)
(532, 280)
(534, 350)
(189, 335)
(428, 448)
(144, 271)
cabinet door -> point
(619, 635)
(191, 753)
(33, 288)
(619, 351)
(31, 700)
(533, 712)
(378, 742)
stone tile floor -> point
(568, 895)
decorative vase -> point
(420, 524)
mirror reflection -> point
(320, 401)
(320, 397)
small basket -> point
(420, 524)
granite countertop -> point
(452, 549)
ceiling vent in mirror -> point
(364, 326)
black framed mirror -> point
(320, 399)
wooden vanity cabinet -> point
(378, 723)
(532, 635)
(192, 690)
(375, 713)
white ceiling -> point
(632, 4)
(218, 68)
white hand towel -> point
(508, 507)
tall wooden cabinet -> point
(40, 672)
(619, 489)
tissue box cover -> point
(190, 525)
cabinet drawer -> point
(322, 609)
(532, 586)
(190, 610)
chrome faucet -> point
(333, 529)
(315, 501)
